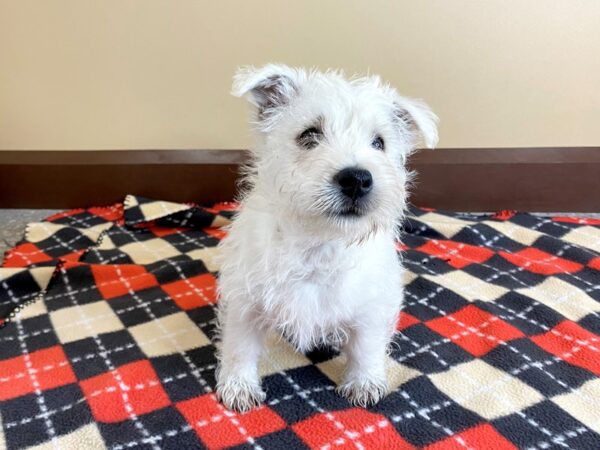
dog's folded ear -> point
(268, 88)
(420, 122)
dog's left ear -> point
(269, 88)
(416, 117)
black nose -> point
(354, 182)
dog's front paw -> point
(240, 395)
(363, 391)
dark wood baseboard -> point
(527, 179)
(68, 179)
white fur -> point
(291, 266)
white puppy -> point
(311, 254)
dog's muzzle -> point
(354, 184)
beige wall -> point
(78, 74)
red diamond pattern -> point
(475, 330)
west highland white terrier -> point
(311, 254)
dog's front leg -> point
(365, 381)
(238, 382)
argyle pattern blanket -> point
(108, 321)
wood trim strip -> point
(120, 157)
(490, 179)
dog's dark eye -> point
(378, 143)
(310, 137)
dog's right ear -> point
(268, 88)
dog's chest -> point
(324, 264)
(306, 297)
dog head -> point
(331, 153)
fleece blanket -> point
(108, 321)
